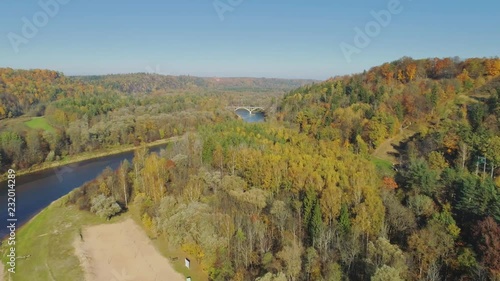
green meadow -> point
(39, 123)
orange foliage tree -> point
(389, 183)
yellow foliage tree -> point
(492, 67)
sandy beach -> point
(121, 252)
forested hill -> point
(368, 108)
(148, 83)
(25, 90)
(22, 91)
(437, 120)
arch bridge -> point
(250, 109)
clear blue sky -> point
(260, 38)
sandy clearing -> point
(121, 252)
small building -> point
(188, 278)
(187, 262)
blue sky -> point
(258, 38)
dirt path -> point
(386, 150)
(1, 271)
(121, 252)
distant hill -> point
(148, 83)
(22, 91)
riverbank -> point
(86, 156)
(64, 243)
(45, 244)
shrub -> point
(50, 157)
(105, 207)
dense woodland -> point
(91, 113)
(302, 196)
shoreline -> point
(86, 156)
(89, 223)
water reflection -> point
(250, 118)
(37, 190)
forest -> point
(91, 113)
(390, 174)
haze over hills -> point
(146, 83)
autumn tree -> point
(35, 148)
(11, 145)
(464, 77)
(430, 245)
(331, 202)
(386, 273)
(382, 253)
(105, 207)
(410, 71)
(488, 233)
(291, 259)
(492, 67)
(399, 220)
(280, 213)
(389, 183)
(387, 72)
(123, 181)
(155, 175)
(437, 162)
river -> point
(250, 118)
(36, 191)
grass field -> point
(384, 167)
(48, 239)
(39, 123)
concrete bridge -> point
(250, 109)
